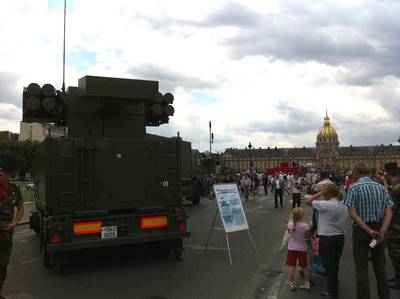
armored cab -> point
(107, 182)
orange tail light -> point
(86, 228)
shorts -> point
(294, 255)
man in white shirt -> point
(246, 184)
(296, 192)
(279, 184)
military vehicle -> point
(107, 182)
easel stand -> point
(227, 239)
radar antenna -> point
(65, 17)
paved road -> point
(130, 273)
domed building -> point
(327, 154)
(327, 151)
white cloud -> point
(231, 62)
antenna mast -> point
(65, 17)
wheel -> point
(34, 222)
(196, 200)
(57, 268)
(47, 257)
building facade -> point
(327, 154)
(38, 132)
(6, 136)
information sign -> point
(230, 207)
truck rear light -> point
(153, 222)
(55, 239)
(182, 227)
(86, 228)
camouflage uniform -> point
(7, 204)
(393, 234)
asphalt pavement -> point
(28, 207)
(128, 272)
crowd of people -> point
(370, 198)
(372, 202)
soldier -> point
(391, 179)
(10, 197)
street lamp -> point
(251, 162)
(211, 136)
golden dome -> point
(327, 130)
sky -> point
(261, 71)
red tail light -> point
(182, 227)
(55, 239)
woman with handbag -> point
(332, 217)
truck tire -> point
(49, 260)
(34, 221)
(195, 200)
(47, 257)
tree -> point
(19, 156)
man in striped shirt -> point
(369, 206)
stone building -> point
(327, 154)
(39, 132)
(6, 136)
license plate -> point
(109, 232)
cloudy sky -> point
(263, 71)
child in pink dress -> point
(297, 249)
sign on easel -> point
(230, 207)
(232, 214)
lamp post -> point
(250, 157)
(211, 136)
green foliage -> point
(19, 155)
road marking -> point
(284, 240)
(285, 235)
(274, 290)
(276, 285)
